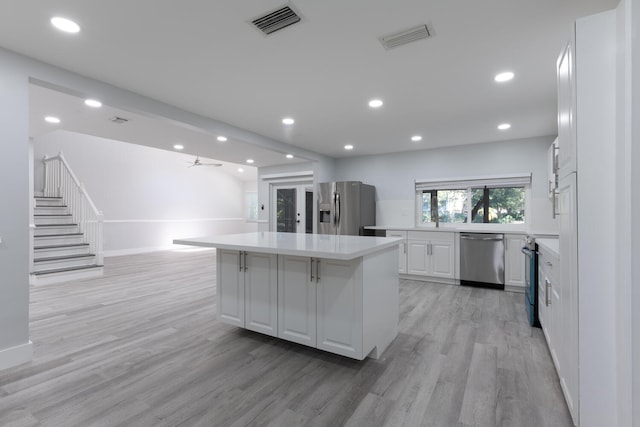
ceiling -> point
(205, 57)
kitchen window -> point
(481, 200)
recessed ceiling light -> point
(178, 146)
(288, 121)
(375, 103)
(222, 138)
(289, 156)
(504, 77)
(240, 170)
(51, 119)
(93, 103)
(416, 138)
(348, 147)
(504, 126)
(64, 24)
(249, 161)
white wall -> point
(148, 196)
(393, 175)
(15, 347)
(633, 142)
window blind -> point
(492, 181)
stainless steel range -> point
(530, 250)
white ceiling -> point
(204, 57)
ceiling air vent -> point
(276, 20)
(403, 37)
(119, 120)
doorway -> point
(292, 208)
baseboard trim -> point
(135, 251)
(14, 356)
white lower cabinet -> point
(339, 305)
(230, 287)
(316, 302)
(402, 253)
(247, 290)
(261, 292)
(431, 253)
(296, 300)
(514, 261)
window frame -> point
(468, 185)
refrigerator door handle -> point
(337, 209)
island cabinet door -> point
(297, 299)
(230, 287)
(261, 292)
(339, 294)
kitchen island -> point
(335, 293)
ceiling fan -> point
(197, 162)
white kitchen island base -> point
(334, 293)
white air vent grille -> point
(403, 37)
(276, 20)
(119, 120)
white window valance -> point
(489, 181)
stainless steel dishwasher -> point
(482, 260)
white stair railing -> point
(60, 181)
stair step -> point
(52, 219)
(48, 201)
(51, 210)
(58, 239)
(48, 229)
(68, 245)
(63, 257)
(63, 261)
(58, 235)
(49, 251)
(67, 269)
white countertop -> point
(549, 244)
(455, 229)
(311, 245)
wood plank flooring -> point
(141, 347)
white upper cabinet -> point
(566, 111)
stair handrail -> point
(60, 181)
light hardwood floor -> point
(141, 347)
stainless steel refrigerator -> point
(345, 207)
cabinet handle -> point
(554, 203)
(245, 261)
(240, 260)
(311, 270)
(547, 292)
(404, 245)
(317, 270)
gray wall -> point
(394, 174)
(14, 209)
(148, 196)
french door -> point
(292, 208)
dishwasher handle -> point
(486, 239)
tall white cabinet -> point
(584, 330)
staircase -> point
(67, 234)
